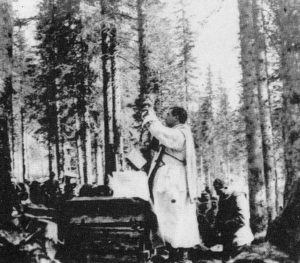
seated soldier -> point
(36, 193)
(69, 187)
(51, 190)
(205, 224)
(212, 212)
(232, 220)
(211, 219)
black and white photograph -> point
(149, 131)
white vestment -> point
(174, 188)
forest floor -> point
(259, 253)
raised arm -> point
(170, 137)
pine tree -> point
(205, 132)
(223, 131)
(251, 113)
(110, 161)
(21, 82)
(186, 60)
(265, 113)
(6, 47)
(65, 79)
(48, 77)
(289, 25)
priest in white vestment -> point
(175, 181)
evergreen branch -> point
(131, 63)
(205, 20)
(124, 15)
(23, 21)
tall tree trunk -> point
(23, 145)
(89, 151)
(79, 151)
(83, 141)
(185, 54)
(53, 125)
(253, 130)
(290, 64)
(94, 157)
(11, 124)
(109, 150)
(99, 176)
(6, 190)
(112, 51)
(265, 113)
(6, 60)
(50, 155)
(84, 150)
(52, 96)
(271, 103)
(60, 161)
(52, 119)
(6, 45)
(62, 151)
(56, 125)
(100, 173)
(143, 52)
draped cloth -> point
(191, 165)
(174, 186)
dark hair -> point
(219, 183)
(180, 113)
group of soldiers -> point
(51, 193)
(48, 193)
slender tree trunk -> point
(62, 151)
(60, 160)
(89, 152)
(57, 155)
(23, 145)
(94, 155)
(270, 104)
(84, 152)
(79, 151)
(50, 157)
(100, 175)
(109, 151)
(56, 123)
(265, 113)
(290, 61)
(253, 130)
(116, 128)
(53, 133)
(185, 55)
(83, 141)
(52, 94)
(12, 126)
(143, 52)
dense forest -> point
(73, 99)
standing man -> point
(172, 180)
(51, 190)
(232, 220)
